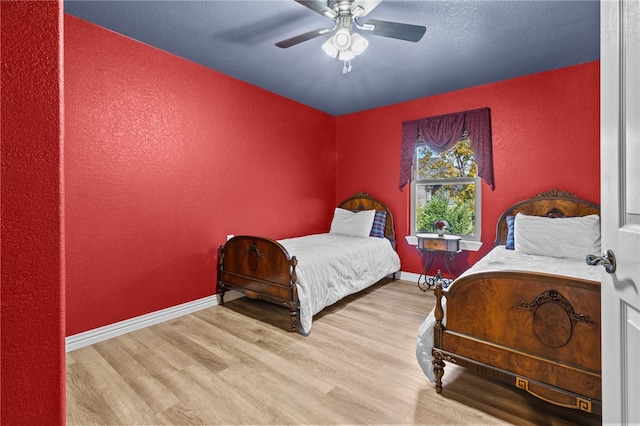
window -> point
(446, 186)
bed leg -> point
(220, 286)
(294, 319)
(438, 369)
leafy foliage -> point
(441, 206)
(454, 163)
(453, 202)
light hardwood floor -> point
(235, 364)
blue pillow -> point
(510, 243)
(379, 221)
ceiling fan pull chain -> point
(346, 69)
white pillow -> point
(355, 224)
(572, 237)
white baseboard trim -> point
(89, 337)
(106, 332)
(409, 276)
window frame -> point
(448, 181)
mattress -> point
(332, 266)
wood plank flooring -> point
(236, 364)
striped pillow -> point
(379, 222)
(510, 243)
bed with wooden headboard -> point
(307, 273)
(529, 316)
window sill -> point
(467, 245)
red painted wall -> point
(546, 134)
(163, 159)
(32, 368)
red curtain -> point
(442, 132)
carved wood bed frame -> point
(261, 268)
(537, 331)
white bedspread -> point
(332, 266)
(501, 259)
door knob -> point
(608, 260)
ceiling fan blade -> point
(366, 5)
(319, 7)
(397, 30)
(302, 37)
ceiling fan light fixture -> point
(329, 48)
(346, 55)
(342, 39)
(358, 44)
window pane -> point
(454, 163)
(454, 203)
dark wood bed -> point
(539, 332)
(261, 268)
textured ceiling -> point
(467, 43)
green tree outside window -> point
(446, 189)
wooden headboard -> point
(364, 201)
(553, 203)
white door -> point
(620, 196)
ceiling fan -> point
(344, 43)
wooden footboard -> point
(260, 268)
(537, 331)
